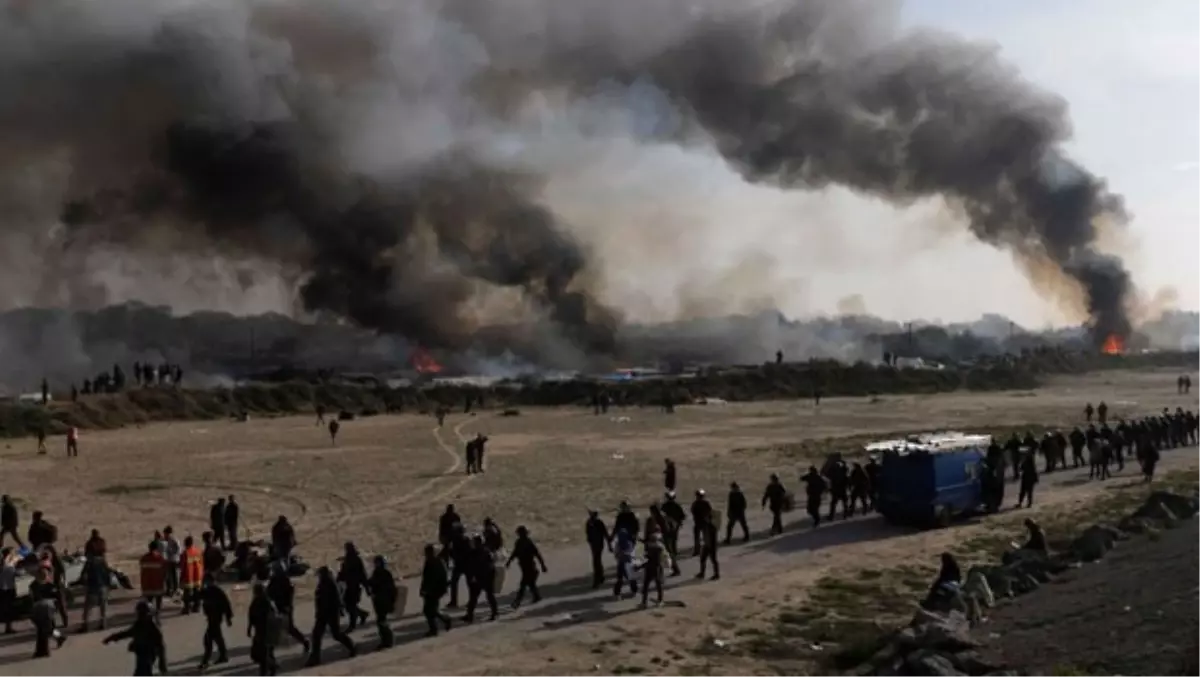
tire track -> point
(415, 493)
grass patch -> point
(129, 489)
(851, 615)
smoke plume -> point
(389, 161)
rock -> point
(906, 638)
(1182, 507)
(1157, 509)
(949, 632)
(926, 662)
(1137, 525)
(1094, 543)
(971, 663)
(998, 579)
(977, 586)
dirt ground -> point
(1134, 613)
(388, 477)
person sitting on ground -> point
(1037, 538)
(948, 580)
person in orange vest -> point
(153, 568)
(193, 575)
(72, 441)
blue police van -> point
(927, 480)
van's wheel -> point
(941, 517)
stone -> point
(1158, 511)
(1137, 525)
(929, 663)
(971, 663)
(977, 587)
(1094, 543)
(950, 632)
(1166, 506)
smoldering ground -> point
(396, 162)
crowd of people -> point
(192, 573)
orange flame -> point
(1113, 345)
(424, 363)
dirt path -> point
(574, 629)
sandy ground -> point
(387, 478)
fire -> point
(1113, 345)
(424, 363)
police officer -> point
(701, 513)
(735, 508)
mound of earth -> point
(1133, 613)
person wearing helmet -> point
(736, 509)
(773, 498)
(327, 610)
(435, 580)
(353, 577)
(529, 558)
(263, 620)
(626, 520)
(282, 594)
(383, 598)
(815, 486)
(217, 609)
(481, 579)
(146, 641)
(702, 512)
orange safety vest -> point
(193, 568)
(153, 574)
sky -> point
(1131, 75)
(678, 233)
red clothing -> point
(193, 569)
(153, 574)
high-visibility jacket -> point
(193, 568)
(153, 574)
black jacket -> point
(597, 533)
(674, 512)
(383, 588)
(8, 516)
(327, 602)
(736, 504)
(628, 521)
(231, 514)
(215, 604)
(353, 573)
(774, 495)
(435, 580)
(282, 592)
(702, 511)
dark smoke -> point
(373, 151)
(811, 94)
